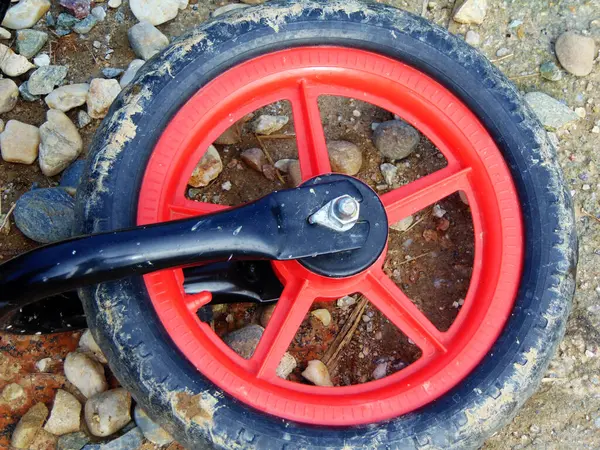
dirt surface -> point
(565, 412)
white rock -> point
(114, 3)
(9, 94)
(470, 11)
(146, 40)
(286, 365)
(209, 168)
(99, 13)
(85, 373)
(65, 414)
(323, 315)
(43, 365)
(267, 124)
(4, 33)
(182, 4)
(87, 344)
(472, 38)
(380, 371)
(42, 60)
(154, 11)
(403, 224)
(25, 14)
(12, 64)
(389, 172)
(100, 96)
(60, 144)
(317, 373)
(227, 8)
(19, 142)
(131, 72)
(345, 302)
(438, 211)
(68, 97)
(108, 412)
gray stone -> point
(550, 71)
(66, 21)
(268, 124)
(472, 38)
(25, 14)
(30, 42)
(111, 72)
(389, 172)
(151, 430)
(146, 40)
(45, 215)
(9, 94)
(576, 53)
(154, 11)
(60, 143)
(395, 139)
(50, 20)
(43, 80)
(72, 441)
(228, 8)
(108, 412)
(26, 95)
(345, 157)
(131, 72)
(244, 340)
(83, 119)
(86, 25)
(552, 113)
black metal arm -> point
(274, 227)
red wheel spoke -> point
(292, 307)
(190, 208)
(402, 312)
(407, 200)
(310, 136)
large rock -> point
(65, 414)
(154, 11)
(552, 113)
(209, 168)
(108, 412)
(19, 142)
(45, 215)
(395, 139)
(470, 11)
(146, 40)
(9, 94)
(25, 14)
(43, 80)
(68, 97)
(11, 64)
(28, 426)
(60, 144)
(85, 373)
(131, 72)
(152, 431)
(345, 157)
(30, 42)
(100, 96)
(576, 53)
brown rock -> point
(254, 158)
(28, 426)
(233, 135)
(294, 174)
(345, 157)
(269, 172)
(209, 168)
(44, 440)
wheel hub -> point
(367, 205)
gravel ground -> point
(565, 413)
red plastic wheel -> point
(475, 167)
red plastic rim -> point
(475, 166)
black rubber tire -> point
(162, 380)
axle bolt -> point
(346, 208)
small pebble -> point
(502, 52)
(155, 12)
(576, 53)
(86, 25)
(254, 158)
(345, 157)
(100, 96)
(317, 373)
(42, 60)
(395, 139)
(380, 371)
(111, 72)
(345, 302)
(99, 12)
(83, 119)
(389, 172)
(226, 186)
(268, 124)
(131, 72)
(209, 168)
(472, 38)
(85, 373)
(146, 40)
(108, 412)
(244, 340)
(323, 315)
(68, 97)
(552, 113)
(470, 11)
(9, 94)
(19, 142)
(550, 71)
(114, 3)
